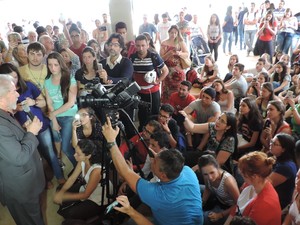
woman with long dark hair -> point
(61, 92)
(266, 94)
(221, 191)
(90, 71)
(221, 137)
(284, 173)
(87, 126)
(280, 78)
(250, 124)
(274, 124)
(266, 32)
(224, 96)
(82, 200)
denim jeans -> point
(241, 35)
(296, 39)
(284, 41)
(227, 36)
(249, 39)
(65, 136)
(47, 151)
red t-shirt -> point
(78, 51)
(139, 146)
(267, 35)
(180, 103)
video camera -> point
(121, 95)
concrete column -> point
(122, 11)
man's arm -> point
(121, 166)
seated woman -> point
(82, 200)
(284, 58)
(293, 216)
(220, 138)
(274, 124)
(221, 191)
(224, 96)
(293, 112)
(267, 58)
(285, 169)
(259, 200)
(266, 95)
(256, 84)
(209, 73)
(250, 124)
(294, 90)
(280, 78)
(87, 126)
(233, 59)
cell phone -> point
(102, 28)
(289, 94)
(100, 67)
(254, 79)
(111, 207)
(180, 118)
(77, 118)
(267, 124)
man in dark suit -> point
(21, 172)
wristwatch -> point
(109, 145)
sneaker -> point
(61, 164)
(248, 53)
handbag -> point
(185, 63)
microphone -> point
(26, 109)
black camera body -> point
(102, 28)
(107, 102)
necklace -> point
(37, 78)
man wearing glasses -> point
(138, 147)
(115, 66)
(168, 124)
(76, 44)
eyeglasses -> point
(222, 121)
(114, 45)
(75, 36)
(274, 144)
(83, 114)
(163, 116)
(147, 131)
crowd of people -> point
(226, 154)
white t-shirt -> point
(163, 28)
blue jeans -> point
(295, 40)
(284, 41)
(249, 39)
(241, 35)
(65, 136)
(227, 36)
(47, 151)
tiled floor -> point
(51, 217)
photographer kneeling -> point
(176, 199)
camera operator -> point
(144, 62)
(176, 199)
